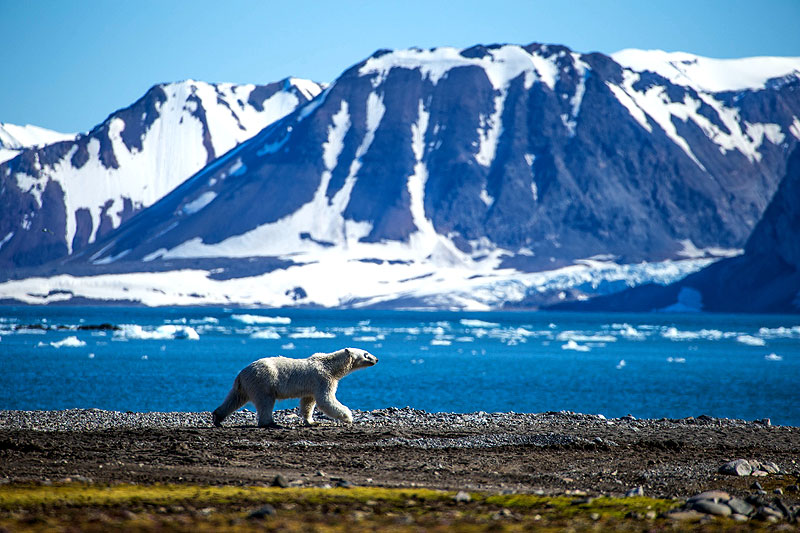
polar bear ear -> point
(348, 352)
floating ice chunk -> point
(69, 342)
(312, 333)
(621, 364)
(675, 334)
(572, 345)
(265, 334)
(178, 332)
(440, 342)
(750, 340)
(773, 357)
(259, 319)
(470, 323)
(288, 346)
(629, 332)
(168, 331)
(780, 332)
(580, 337)
(204, 320)
(676, 359)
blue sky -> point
(68, 64)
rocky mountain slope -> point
(765, 279)
(482, 177)
(58, 198)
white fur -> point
(314, 380)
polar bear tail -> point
(235, 399)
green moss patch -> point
(90, 507)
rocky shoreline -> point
(710, 467)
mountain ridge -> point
(477, 169)
(62, 196)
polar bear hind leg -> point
(235, 399)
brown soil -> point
(555, 453)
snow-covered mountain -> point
(13, 138)
(58, 198)
(477, 178)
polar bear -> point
(314, 380)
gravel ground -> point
(550, 453)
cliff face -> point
(765, 279)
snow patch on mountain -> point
(707, 74)
(489, 131)
(501, 64)
(309, 89)
(199, 203)
(416, 182)
(654, 103)
(14, 139)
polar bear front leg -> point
(307, 404)
(332, 407)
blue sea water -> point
(185, 359)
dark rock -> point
(344, 484)
(766, 512)
(262, 512)
(758, 500)
(98, 327)
(280, 481)
(778, 504)
(740, 506)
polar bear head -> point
(360, 358)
